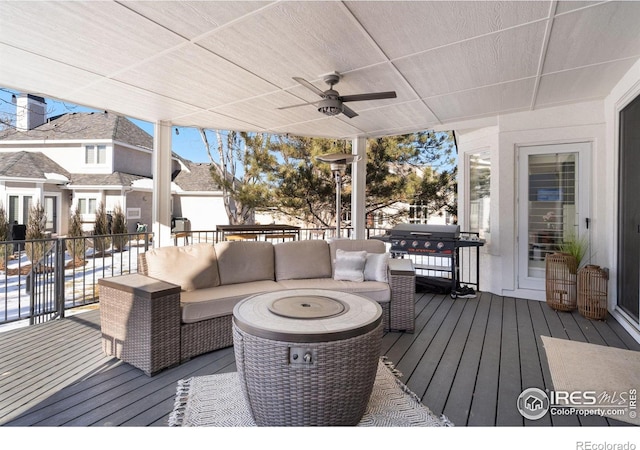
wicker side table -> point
(402, 279)
(307, 370)
(140, 321)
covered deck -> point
(468, 359)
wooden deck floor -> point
(468, 359)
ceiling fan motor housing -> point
(330, 106)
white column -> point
(358, 184)
(161, 204)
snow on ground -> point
(81, 283)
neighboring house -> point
(80, 160)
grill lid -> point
(425, 231)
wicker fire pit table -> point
(307, 357)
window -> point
(418, 213)
(95, 154)
(19, 208)
(479, 193)
(87, 205)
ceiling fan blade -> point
(350, 113)
(309, 86)
(369, 96)
(299, 104)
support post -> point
(358, 188)
(161, 209)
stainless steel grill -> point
(438, 245)
(434, 240)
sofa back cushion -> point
(191, 267)
(302, 260)
(241, 262)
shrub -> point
(76, 245)
(35, 231)
(101, 228)
(5, 249)
(119, 227)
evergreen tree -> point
(35, 232)
(75, 242)
(101, 229)
(119, 228)
(5, 248)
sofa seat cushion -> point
(191, 267)
(374, 290)
(204, 304)
(302, 260)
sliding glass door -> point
(629, 211)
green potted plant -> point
(576, 246)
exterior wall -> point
(563, 124)
(129, 160)
(37, 191)
(485, 139)
(204, 212)
(69, 155)
(137, 201)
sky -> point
(187, 143)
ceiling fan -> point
(332, 102)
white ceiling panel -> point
(194, 18)
(491, 59)
(24, 71)
(498, 99)
(581, 84)
(204, 119)
(101, 37)
(440, 23)
(111, 95)
(182, 73)
(304, 39)
(605, 32)
(381, 120)
(229, 64)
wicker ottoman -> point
(140, 321)
(307, 357)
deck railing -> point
(41, 280)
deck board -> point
(484, 402)
(468, 359)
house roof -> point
(90, 126)
(230, 64)
(196, 178)
(30, 165)
(109, 179)
(85, 126)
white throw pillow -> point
(375, 269)
(349, 266)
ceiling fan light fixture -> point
(330, 107)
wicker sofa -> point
(212, 279)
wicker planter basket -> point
(561, 284)
(592, 292)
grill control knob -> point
(403, 243)
(414, 243)
(427, 244)
(440, 245)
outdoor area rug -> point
(609, 374)
(217, 400)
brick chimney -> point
(31, 112)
